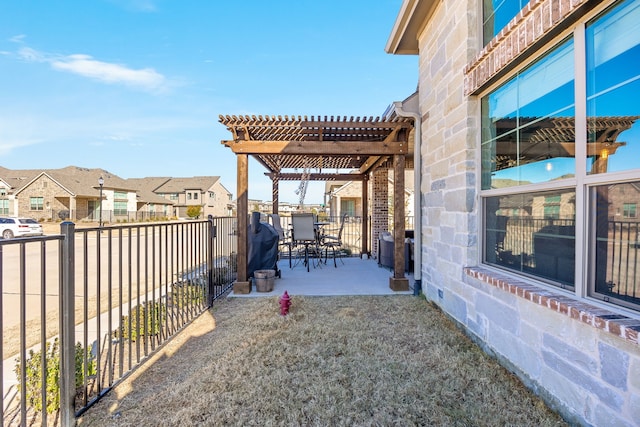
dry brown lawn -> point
(333, 361)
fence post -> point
(211, 236)
(67, 326)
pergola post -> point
(365, 218)
(398, 282)
(242, 285)
(275, 190)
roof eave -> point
(410, 21)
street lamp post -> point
(100, 183)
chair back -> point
(342, 221)
(275, 221)
(303, 227)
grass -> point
(339, 361)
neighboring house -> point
(68, 193)
(204, 191)
(345, 197)
(529, 184)
(74, 193)
(149, 204)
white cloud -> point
(31, 55)
(18, 38)
(86, 66)
(146, 79)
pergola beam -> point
(318, 148)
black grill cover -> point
(262, 246)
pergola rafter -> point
(328, 148)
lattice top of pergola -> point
(330, 147)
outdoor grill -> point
(262, 246)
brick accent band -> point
(617, 324)
(536, 20)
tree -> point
(194, 211)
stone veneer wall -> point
(584, 361)
(448, 147)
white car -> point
(19, 227)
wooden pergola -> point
(321, 149)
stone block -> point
(614, 366)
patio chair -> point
(303, 233)
(284, 236)
(333, 243)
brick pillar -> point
(379, 206)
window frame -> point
(37, 207)
(117, 208)
(582, 183)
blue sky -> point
(136, 86)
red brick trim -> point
(537, 19)
(617, 324)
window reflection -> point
(613, 85)
(529, 125)
(533, 233)
(497, 14)
(617, 235)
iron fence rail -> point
(545, 248)
(101, 300)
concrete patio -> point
(357, 276)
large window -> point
(527, 122)
(613, 145)
(36, 203)
(629, 210)
(119, 208)
(521, 236)
(497, 14)
(4, 207)
(613, 87)
(616, 247)
(529, 176)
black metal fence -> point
(94, 303)
(618, 260)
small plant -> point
(144, 320)
(189, 293)
(33, 380)
(232, 262)
(220, 275)
(194, 211)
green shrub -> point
(144, 320)
(33, 383)
(184, 294)
(232, 262)
(194, 211)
